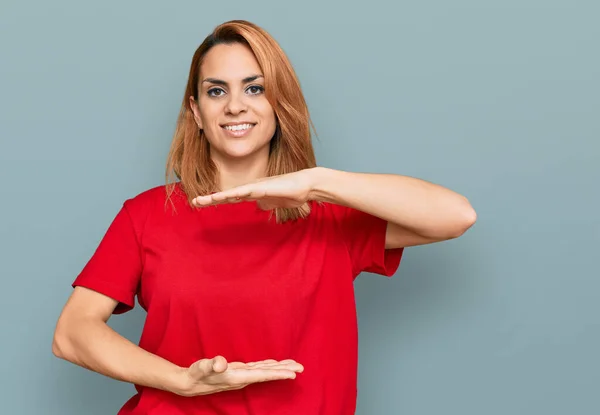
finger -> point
(266, 375)
(242, 365)
(215, 198)
(288, 364)
(268, 363)
(288, 361)
(236, 365)
(219, 364)
(200, 201)
(206, 200)
(293, 366)
(248, 192)
(234, 199)
(220, 198)
(259, 375)
(271, 361)
(241, 192)
(207, 367)
(260, 362)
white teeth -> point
(238, 127)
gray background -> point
(498, 100)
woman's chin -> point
(243, 150)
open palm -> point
(217, 375)
(289, 190)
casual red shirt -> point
(226, 280)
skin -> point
(417, 212)
(238, 99)
(82, 335)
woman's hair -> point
(290, 148)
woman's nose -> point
(236, 104)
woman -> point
(245, 266)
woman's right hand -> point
(217, 375)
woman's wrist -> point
(178, 381)
(319, 178)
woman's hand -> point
(217, 375)
(289, 190)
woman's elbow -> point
(467, 219)
(462, 222)
(61, 340)
(58, 341)
(56, 348)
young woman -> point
(245, 261)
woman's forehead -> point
(230, 63)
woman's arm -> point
(417, 211)
(83, 337)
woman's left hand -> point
(289, 190)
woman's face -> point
(232, 108)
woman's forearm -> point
(425, 208)
(92, 344)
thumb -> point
(219, 364)
(206, 367)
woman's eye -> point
(218, 92)
(256, 89)
(215, 92)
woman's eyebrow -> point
(246, 80)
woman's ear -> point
(196, 111)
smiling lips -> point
(238, 130)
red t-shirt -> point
(226, 280)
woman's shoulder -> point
(156, 197)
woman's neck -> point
(237, 172)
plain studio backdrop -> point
(498, 100)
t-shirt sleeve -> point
(364, 236)
(115, 267)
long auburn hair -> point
(290, 148)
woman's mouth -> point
(239, 130)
